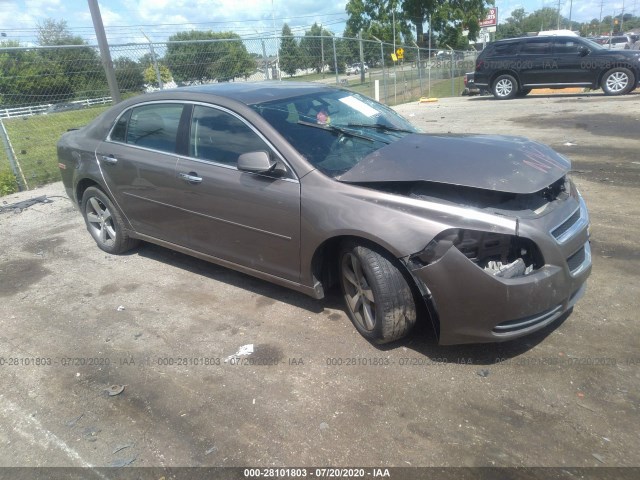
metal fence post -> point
(104, 51)
(335, 60)
(266, 62)
(13, 161)
(154, 61)
(419, 67)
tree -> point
(315, 47)
(377, 15)
(25, 79)
(206, 56)
(81, 65)
(129, 75)
(290, 57)
(151, 78)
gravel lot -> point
(314, 392)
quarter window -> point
(220, 137)
(155, 126)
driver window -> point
(220, 137)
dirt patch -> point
(17, 276)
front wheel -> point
(618, 81)
(505, 87)
(104, 222)
(379, 300)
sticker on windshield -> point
(360, 106)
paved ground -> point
(162, 324)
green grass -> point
(34, 142)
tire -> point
(104, 222)
(524, 92)
(618, 81)
(379, 301)
(505, 87)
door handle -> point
(110, 159)
(191, 177)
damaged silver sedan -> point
(310, 186)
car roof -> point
(248, 93)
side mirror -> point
(257, 162)
(582, 50)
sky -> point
(126, 20)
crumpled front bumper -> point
(474, 306)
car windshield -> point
(335, 129)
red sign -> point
(491, 20)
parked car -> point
(515, 66)
(470, 88)
(63, 107)
(618, 42)
(355, 69)
(308, 186)
(449, 55)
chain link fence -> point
(44, 91)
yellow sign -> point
(400, 53)
(393, 57)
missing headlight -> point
(498, 254)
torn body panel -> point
(474, 306)
(487, 288)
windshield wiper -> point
(377, 126)
(336, 129)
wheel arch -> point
(631, 68)
(505, 71)
(82, 186)
(324, 269)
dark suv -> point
(515, 66)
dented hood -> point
(491, 162)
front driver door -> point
(246, 218)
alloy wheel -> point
(358, 292)
(100, 221)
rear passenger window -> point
(536, 46)
(155, 126)
(220, 137)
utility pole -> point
(275, 35)
(104, 51)
(570, 9)
(558, 26)
(622, 18)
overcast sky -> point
(125, 19)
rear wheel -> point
(505, 87)
(104, 222)
(618, 81)
(379, 301)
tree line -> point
(520, 23)
(48, 75)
